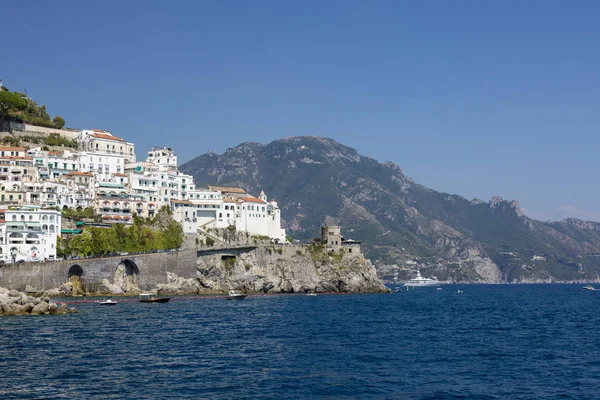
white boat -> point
(235, 295)
(419, 281)
(311, 294)
(589, 287)
(108, 302)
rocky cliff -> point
(280, 269)
(319, 181)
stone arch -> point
(132, 272)
(75, 276)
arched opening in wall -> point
(228, 261)
(79, 208)
(75, 276)
(132, 272)
(65, 208)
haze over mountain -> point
(318, 180)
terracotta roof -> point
(98, 130)
(106, 217)
(56, 153)
(79, 173)
(182, 202)
(120, 175)
(16, 158)
(4, 148)
(107, 137)
(126, 217)
(253, 200)
(116, 217)
(227, 189)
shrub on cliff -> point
(59, 122)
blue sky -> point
(469, 97)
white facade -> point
(29, 234)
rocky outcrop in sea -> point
(13, 302)
(280, 269)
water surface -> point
(491, 341)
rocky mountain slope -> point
(317, 180)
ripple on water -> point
(490, 342)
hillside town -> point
(103, 173)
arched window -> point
(45, 218)
(51, 228)
(14, 217)
(220, 215)
(22, 217)
(31, 217)
(52, 218)
(45, 228)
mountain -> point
(320, 181)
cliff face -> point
(280, 269)
(319, 181)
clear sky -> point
(477, 98)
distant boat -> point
(108, 302)
(150, 298)
(589, 287)
(235, 295)
(459, 291)
(439, 288)
(311, 294)
(419, 281)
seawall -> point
(145, 270)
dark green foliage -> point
(11, 103)
(18, 105)
(161, 233)
(210, 241)
(59, 122)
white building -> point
(97, 141)
(29, 233)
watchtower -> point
(331, 235)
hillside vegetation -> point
(151, 234)
(15, 105)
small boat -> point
(439, 288)
(150, 298)
(589, 287)
(311, 294)
(459, 291)
(235, 295)
(107, 302)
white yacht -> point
(419, 281)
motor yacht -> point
(419, 281)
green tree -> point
(59, 122)
(11, 102)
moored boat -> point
(150, 298)
(107, 302)
(589, 287)
(235, 295)
(419, 281)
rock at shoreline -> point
(13, 302)
(295, 270)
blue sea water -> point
(489, 342)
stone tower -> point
(331, 235)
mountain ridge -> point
(318, 180)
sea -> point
(488, 342)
